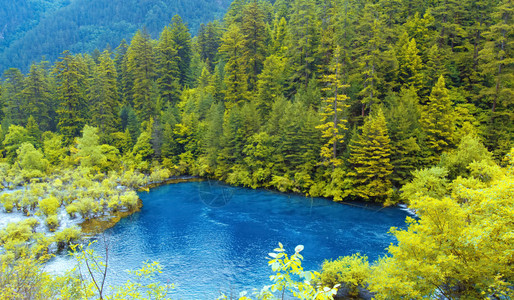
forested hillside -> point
(343, 99)
(372, 100)
(31, 30)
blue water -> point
(214, 238)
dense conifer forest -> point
(385, 101)
(31, 30)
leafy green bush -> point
(353, 271)
(66, 237)
(52, 222)
(49, 206)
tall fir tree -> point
(236, 79)
(12, 97)
(180, 34)
(370, 160)
(141, 68)
(253, 28)
(369, 58)
(303, 41)
(70, 73)
(410, 69)
(437, 121)
(124, 78)
(167, 67)
(403, 128)
(332, 112)
(37, 96)
(104, 97)
(208, 41)
(271, 82)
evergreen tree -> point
(209, 40)
(33, 132)
(498, 56)
(124, 79)
(141, 67)
(12, 97)
(279, 36)
(370, 160)
(253, 28)
(410, 66)
(236, 79)
(369, 56)
(36, 94)
(437, 121)
(104, 96)
(168, 67)
(498, 70)
(332, 115)
(71, 86)
(303, 41)
(271, 82)
(403, 128)
(182, 38)
(436, 66)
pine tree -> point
(143, 150)
(403, 128)
(333, 124)
(437, 121)
(182, 38)
(36, 94)
(369, 56)
(498, 70)
(370, 160)
(124, 79)
(104, 96)
(271, 82)
(33, 132)
(253, 28)
(209, 40)
(279, 36)
(236, 79)
(70, 73)
(436, 66)
(141, 67)
(303, 41)
(168, 67)
(410, 65)
(12, 97)
(498, 56)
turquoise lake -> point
(214, 238)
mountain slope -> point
(31, 30)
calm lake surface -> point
(214, 238)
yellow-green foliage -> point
(431, 182)
(369, 157)
(289, 276)
(129, 199)
(159, 174)
(24, 279)
(49, 206)
(132, 178)
(470, 150)
(66, 237)
(72, 209)
(8, 200)
(353, 271)
(15, 235)
(52, 222)
(31, 161)
(460, 248)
